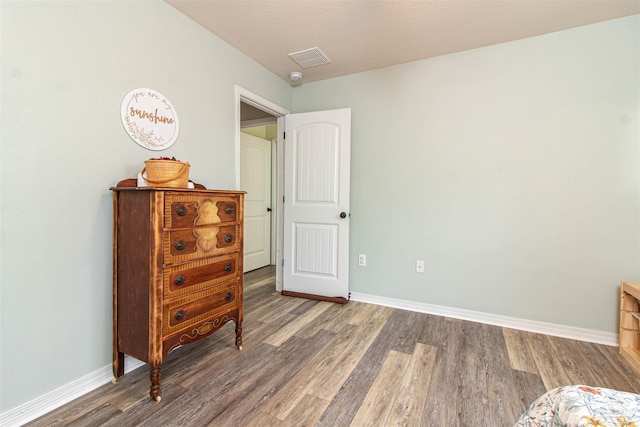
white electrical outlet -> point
(419, 266)
(362, 260)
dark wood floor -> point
(309, 363)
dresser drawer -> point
(188, 210)
(198, 330)
(199, 275)
(182, 245)
(194, 308)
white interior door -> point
(255, 179)
(316, 203)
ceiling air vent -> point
(309, 57)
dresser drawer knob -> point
(180, 245)
(228, 267)
(181, 210)
(228, 238)
(229, 209)
(179, 315)
(229, 296)
(180, 280)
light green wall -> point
(511, 170)
(65, 68)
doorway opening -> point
(259, 171)
(258, 166)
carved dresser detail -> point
(177, 270)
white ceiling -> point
(361, 35)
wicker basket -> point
(166, 173)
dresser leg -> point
(155, 383)
(239, 335)
(118, 366)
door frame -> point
(248, 97)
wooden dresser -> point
(177, 271)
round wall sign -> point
(149, 119)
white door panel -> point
(316, 237)
(255, 179)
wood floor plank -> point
(265, 385)
(306, 413)
(621, 366)
(586, 364)
(260, 308)
(284, 306)
(294, 326)
(307, 304)
(504, 406)
(439, 414)
(353, 313)
(264, 420)
(196, 358)
(471, 375)
(262, 277)
(496, 355)
(364, 312)
(519, 353)
(405, 338)
(98, 415)
(322, 322)
(327, 386)
(431, 329)
(320, 365)
(241, 386)
(255, 295)
(584, 368)
(204, 368)
(409, 404)
(342, 314)
(527, 388)
(137, 414)
(222, 387)
(549, 366)
(394, 336)
(445, 388)
(504, 410)
(377, 404)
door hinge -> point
(282, 199)
(284, 135)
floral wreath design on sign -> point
(149, 119)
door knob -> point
(268, 209)
(343, 215)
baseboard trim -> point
(54, 399)
(553, 329)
